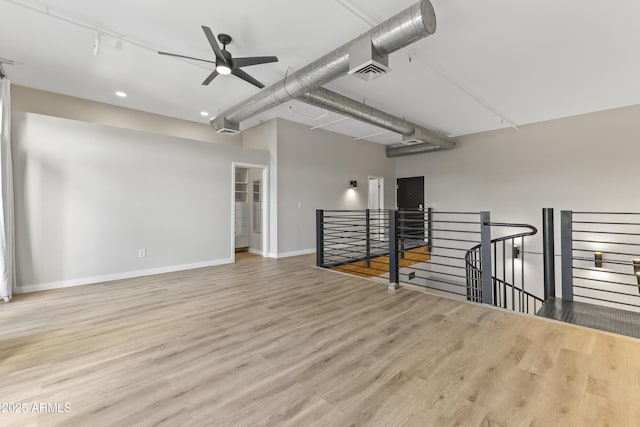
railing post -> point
(320, 237)
(402, 232)
(368, 238)
(485, 257)
(394, 276)
(430, 230)
(548, 253)
(566, 233)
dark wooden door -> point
(410, 196)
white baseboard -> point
(255, 251)
(296, 253)
(118, 276)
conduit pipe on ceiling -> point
(332, 101)
(408, 26)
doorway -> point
(410, 197)
(249, 211)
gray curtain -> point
(7, 248)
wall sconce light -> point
(597, 259)
(515, 253)
(636, 270)
(353, 183)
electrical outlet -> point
(142, 253)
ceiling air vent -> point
(365, 63)
(224, 126)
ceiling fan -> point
(225, 62)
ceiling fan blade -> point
(253, 60)
(214, 43)
(210, 78)
(246, 77)
(185, 57)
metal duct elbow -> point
(408, 26)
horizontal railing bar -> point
(351, 210)
(440, 264)
(606, 243)
(519, 290)
(451, 240)
(604, 261)
(606, 252)
(351, 235)
(376, 248)
(432, 255)
(436, 212)
(442, 273)
(603, 281)
(346, 232)
(435, 279)
(603, 290)
(343, 226)
(606, 223)
(479, 297)
(355, 270)
(606, 300)
(448, 248)
(607, 232)
(605, 213)
(455, 222)
(347, 245)
(603, 271)
(349, 251)
(330, 218)
(455, 231)
(348, 254)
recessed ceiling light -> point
(121, 94)
(204, 113)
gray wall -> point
(88, 197)
(587, 162)
(314, 170)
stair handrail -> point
(470, 265)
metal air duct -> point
(408, 26)
(407, 150)
(341, 104)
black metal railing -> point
(353, 241)
(601, 258)
(507, 271)
(433, 245)
(442, 251)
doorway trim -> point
(265, 206)
(380, 193)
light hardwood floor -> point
(277, 342)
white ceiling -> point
(491, 63)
